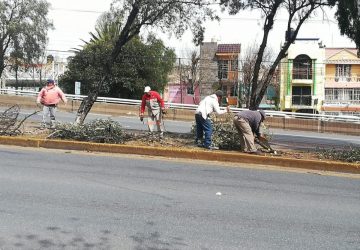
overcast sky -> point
(74, 19)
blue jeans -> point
(203, 126)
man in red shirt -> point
(155, 105)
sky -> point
(74, 19)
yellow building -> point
(342, 82)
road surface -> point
(54, 199)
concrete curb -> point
(184, 153)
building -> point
(302, 77)
(316, 79)
(220, 69)
(342, 82)
(217, 68)
(32, 77)
(181, 88)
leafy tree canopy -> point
(174, 16)
(23, 30)
(348, 18)
(140, 63)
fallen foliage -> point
(99, 130)
(348, 154)
(9, 122)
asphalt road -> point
(53, 199)
(280, 138)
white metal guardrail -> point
(289, 115)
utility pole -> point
(181, 89)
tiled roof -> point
(228, 48)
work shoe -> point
(198, 144)
(52, 124)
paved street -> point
(54, 199)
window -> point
(301, 95)
(337, 94)
(223, 69)
(348, 94)
(329, 94)
(343, 72)
(357, 94)
(302, 68)
(351, 95)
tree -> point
(175, 16)
(247, 63)
(348, 16)
(298, 12)
(23, 30)
(189, 74)
(141, 63)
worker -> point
(206, 107)
(247, 123)
(156, 109)
(49, 97)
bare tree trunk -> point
(86, 106)
(127, 33)
(269, 22)
(88, 102)
(259, 88)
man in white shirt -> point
(203, 124)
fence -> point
(176, 111)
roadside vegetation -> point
(10, 123)
(225, 136)
(99, 130)
(349, 154)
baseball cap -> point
(50, 81)
(147, 89)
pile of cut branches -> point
(99, 130)
(9, 122)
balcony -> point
(342, 81)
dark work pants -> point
(203, 126)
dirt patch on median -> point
(175, 140)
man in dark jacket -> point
(248, 123)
